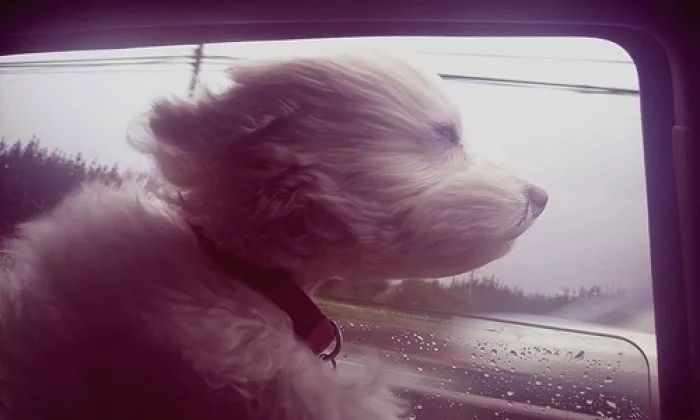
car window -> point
(561, 327)
(517, 367)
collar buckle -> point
(338, 344)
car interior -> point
(662, 39)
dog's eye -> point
(447, 132)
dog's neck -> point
(311, 254)
(277, 285)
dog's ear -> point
(263, 97)
(218, 123)
(239, 161)
(188, 140)
(176, 123)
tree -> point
(33, 181)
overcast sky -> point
(584, 148)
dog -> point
(350, 167)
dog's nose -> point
(537, 197)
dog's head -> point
(349, 165)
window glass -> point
(561, 327)
(512, 367)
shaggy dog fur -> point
(337, 167)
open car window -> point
(561, 327)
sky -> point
(584, 148)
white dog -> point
(345, 167)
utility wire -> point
(186, 57)
(88, 62)
(75, 61)
(200, 60)
(530, 83)
(527, 57)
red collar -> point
(310, 324)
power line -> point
(88, 65)
(529, 57)
(115, 61)
(94, 60)
(70, 65)
(186, 57)
(531, 83)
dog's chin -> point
(527, 218)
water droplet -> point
(580, 355)
(589, 402)
(611, 404)
(419, 369)
(419, 407)
(608, 380)
(510, 393)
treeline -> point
(466, 294)
(33, 180)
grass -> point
(387, 318)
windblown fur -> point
(348, 167)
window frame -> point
(115, 28)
